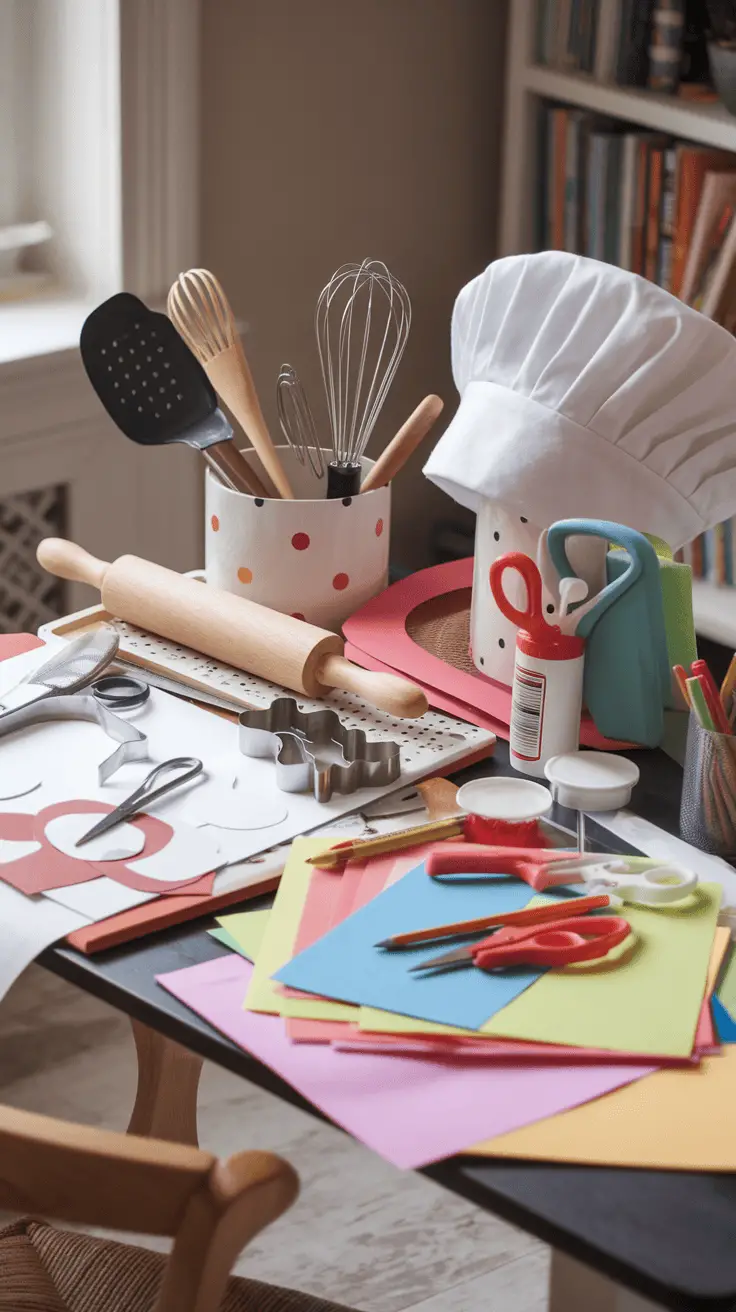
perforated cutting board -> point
(427, 745)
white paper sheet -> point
(71, 750)
(27, 926)
(99, 898)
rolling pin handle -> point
(66, 560)
(389, 692)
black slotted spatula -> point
(155, 389)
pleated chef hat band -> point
(586, 390)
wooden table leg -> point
(168, 1080)
(577, 1288)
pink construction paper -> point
(410, 1110)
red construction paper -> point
(380, 627)
(47, 868)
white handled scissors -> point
(639, 879)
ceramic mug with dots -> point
(499, 530)
(316, 559)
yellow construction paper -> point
(247, 928)
(316, 1009)
(649, 1003)
(277, 945)
(676, 1120)
(278, 940)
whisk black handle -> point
(343, 480)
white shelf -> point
(709, 124)
(714, 609)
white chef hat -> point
(587, 391)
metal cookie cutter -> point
(314, 749)
(82, 706)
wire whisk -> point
(297, 421)
(362, 324)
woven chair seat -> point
(43, 1269)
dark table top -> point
(670, 1236)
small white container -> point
(316, 559)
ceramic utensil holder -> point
(498, 531)
(708, 805)
(319, 560)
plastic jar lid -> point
(502, 798)
(592, 781)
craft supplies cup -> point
(708, 805)
(317, 559)
(498, 531)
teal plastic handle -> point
(635, 544)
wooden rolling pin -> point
(251, 637)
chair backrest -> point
(98, 1177)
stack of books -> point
(662, 208)
(629, 42)
(712, 556)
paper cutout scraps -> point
(46, 868)
(189, 854)
(18, 780)
(236, 807)
(121, 843)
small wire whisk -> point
(297, 421)
(362, 324)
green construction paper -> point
(244, 930)
(645, 1000)
(727, 987)
(228, 941)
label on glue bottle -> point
(546, 699)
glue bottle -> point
(547, 689)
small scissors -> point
(559, 943)
(642, 879)
(183, 768)
(120, 692)
(531, 620)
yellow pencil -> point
(360, 849)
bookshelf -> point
(527, 83)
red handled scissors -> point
(549, 944)
(540, 868)
(531, 620)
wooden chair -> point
(93, 1177)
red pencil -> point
(712, 696)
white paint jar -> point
(546, 700)
(498, 531)
(316, 559)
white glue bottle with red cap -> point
(547, 691)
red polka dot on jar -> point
(297, 615)
(340, 582)
(379, 528)
(215, 524)
(300, 541)
(245, 575)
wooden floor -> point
(362, 1232)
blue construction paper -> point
(725, 1025)
(345, 964)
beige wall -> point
(336, 129)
